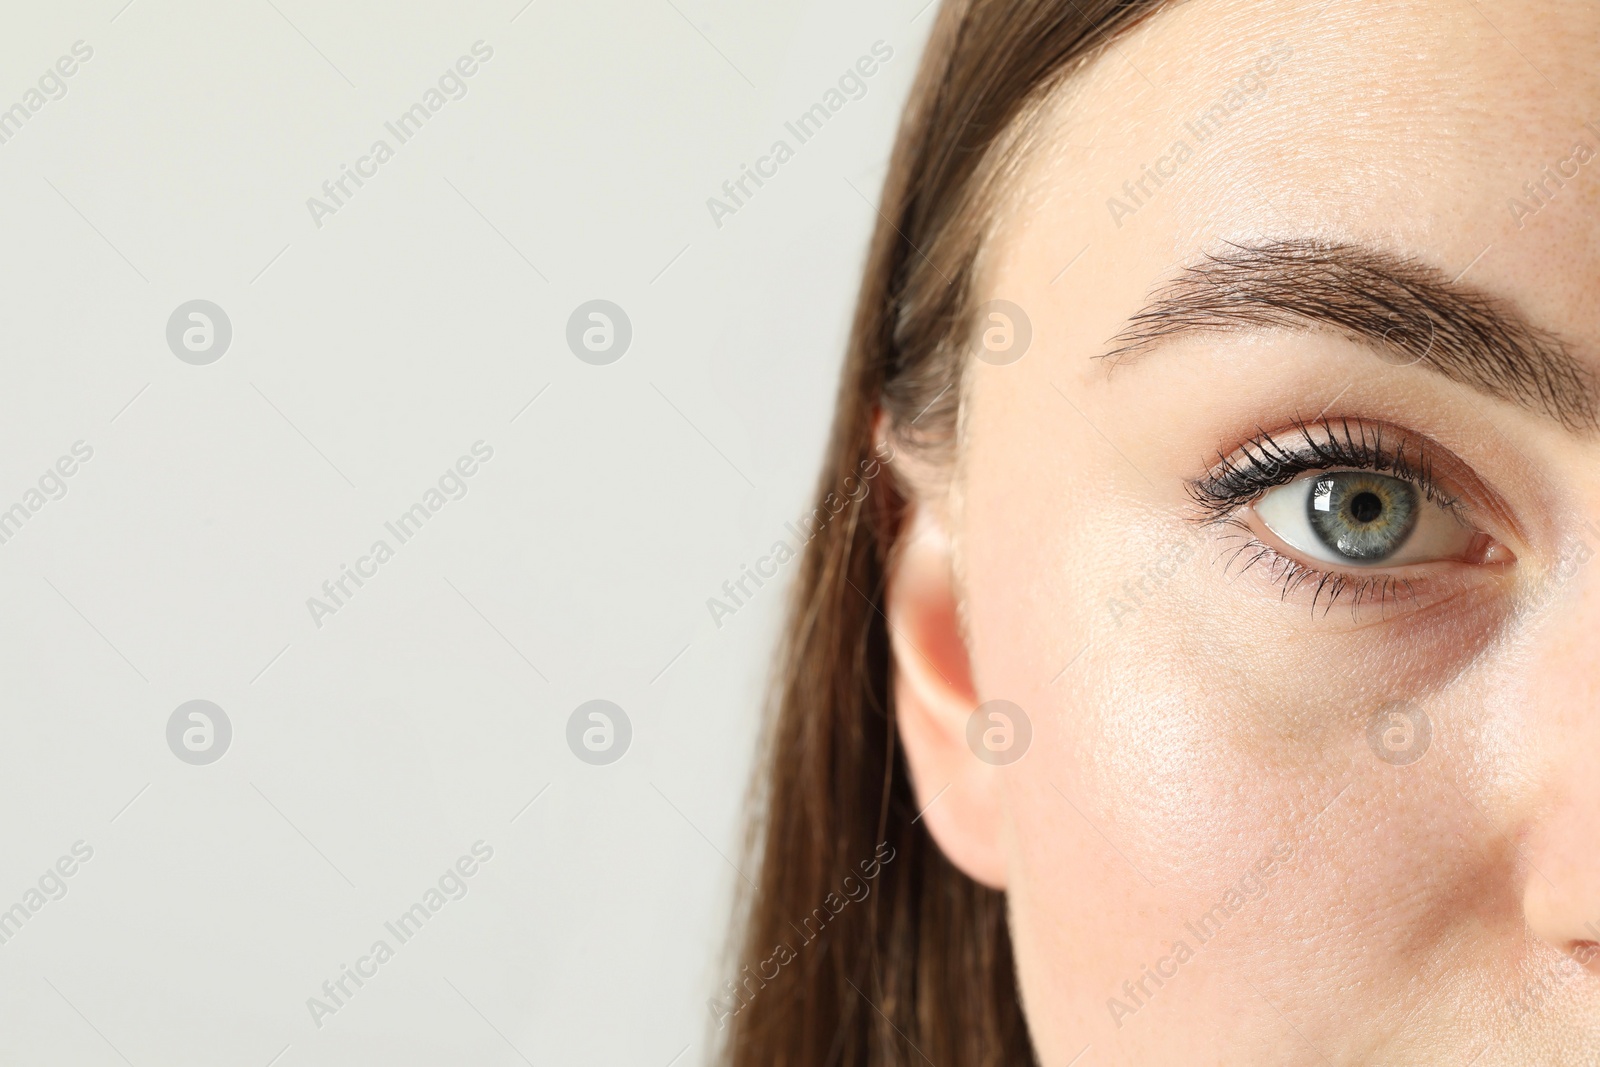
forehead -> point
(1444, 128)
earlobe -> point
(935, 698)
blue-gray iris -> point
(1364, 517)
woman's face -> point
(1304, 621)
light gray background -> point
(367, 355)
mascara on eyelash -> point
(1290, 574)
(1263, 463)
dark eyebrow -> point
(1385, 301)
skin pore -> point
(1202, 728)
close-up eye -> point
(1363, 518)
(1350, 508)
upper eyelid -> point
(1262, 463)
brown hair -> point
(861, 944)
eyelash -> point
(1263, 463)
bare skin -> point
(1202, 731)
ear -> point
(934, 698)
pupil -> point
(1365, 507)
(1363, 517)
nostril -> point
(1587, 954)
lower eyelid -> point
(1372, 594)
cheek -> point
(1085, 606)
